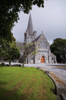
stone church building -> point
(41, 49)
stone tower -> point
(29, 35)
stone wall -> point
(41, 52)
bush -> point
(2, 64)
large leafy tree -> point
(59, 49)
(9, 10)
(8, 51)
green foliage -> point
(2, 64)
(8, 50)
(35, 52)
(27, 49)
(9, 10)
(59, 49)
(25, 84)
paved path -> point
(58, 74)
(58, 71)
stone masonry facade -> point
(42, 52)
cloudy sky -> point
(51, 20)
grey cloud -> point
(51, 20)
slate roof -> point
(36, 39)
(42, 34)
(52, 55)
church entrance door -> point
(42, 59)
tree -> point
(9, 10)
(27, 49)
(9, 51)
(59, 49)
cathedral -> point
(41, 49)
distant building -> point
(40, 46)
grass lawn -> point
(18, 83)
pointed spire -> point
(30, 25)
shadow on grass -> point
(10, 95)
(2, 83)
(53, 91)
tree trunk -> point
(9, 62)
(23, 65)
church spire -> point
(30, 25)
(29, 35)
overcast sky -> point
(51, 20)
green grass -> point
(18, 83)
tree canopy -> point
(9, 10)
(8, 51)
(59, 49)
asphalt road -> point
(60, 72)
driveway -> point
(58, 74)
(58, 69)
